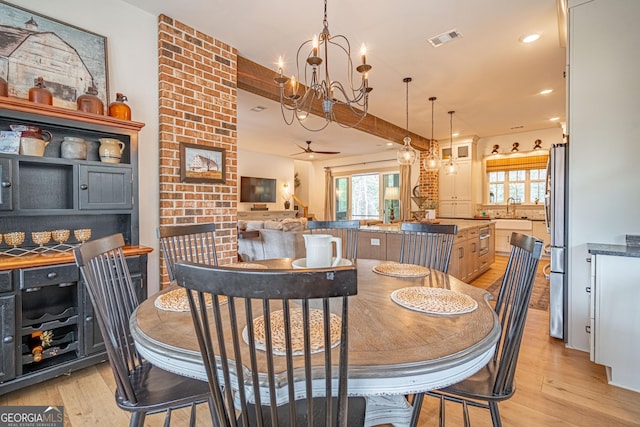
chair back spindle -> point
(191, 242)
(428, 245)
(280, 338)
(141, 388)
(496, 381)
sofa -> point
(275, 239)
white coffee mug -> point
(320, 250)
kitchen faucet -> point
(511, 201)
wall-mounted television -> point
(254, 190)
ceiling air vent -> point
(444, 38)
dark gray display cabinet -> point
(40, 286)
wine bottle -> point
(38, 341)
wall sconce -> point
(286, 195)
(514, 147)
(537, 144)
(495, 149)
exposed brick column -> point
(197, 95)
(429, 180)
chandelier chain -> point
(407, 103)
(325, 21)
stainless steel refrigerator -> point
(556, 220)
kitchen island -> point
(472, 254)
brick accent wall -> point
(429, 180)
(197, 96)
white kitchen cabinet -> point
(462, 150)
(503, 238)
(539, 231)
(455, 209)
(456, 192)
(504, 229)
(615, 318)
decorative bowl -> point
(15, 238)
(41, 237)
(60, 236)
(82, 234)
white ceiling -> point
(487, 76)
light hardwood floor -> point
(555, 386)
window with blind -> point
(520, 177)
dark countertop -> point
(614, 250)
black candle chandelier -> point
(313, 86)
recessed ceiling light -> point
(258, 108)
(456, 134)
(546, 91)
(554, 119)
(529, 38)
(389, 144)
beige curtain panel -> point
(405, 192)
(329, 196)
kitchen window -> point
(520, 177)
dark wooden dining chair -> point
(267, 332)
(189, 242)
(428, 245)
(141, 388)
(346, 230)
(495, 382)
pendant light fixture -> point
(451, 167)
(407, 155)
(317, 86)
(432, 162)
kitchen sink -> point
(513, 224)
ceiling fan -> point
(310, 151)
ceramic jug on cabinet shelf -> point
(73, 148)
(33, 140)
(110, 150)
(89, 102)
(40, 94)
(119, 109)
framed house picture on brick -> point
(70, 60)
(199, 163)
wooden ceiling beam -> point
(259, 80)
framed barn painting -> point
(202, 164)
(68, 58)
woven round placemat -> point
(297, 331)
(434, 300)
(396, 269)
(176, 300)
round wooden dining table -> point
(393, 351)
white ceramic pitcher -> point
(320, 250)
(110, 150)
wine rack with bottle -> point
(46, 317)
